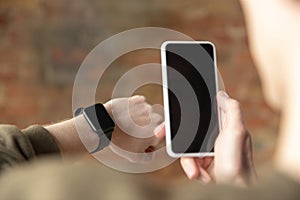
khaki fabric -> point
(28, 177)
(48, 180)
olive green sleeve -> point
(18, 146)
(41, 140)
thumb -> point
(159, 131)
(231, 111)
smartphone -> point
(190, 85)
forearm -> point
(66, 136)
(74, 136)
(69, 135)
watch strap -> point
(104, 142)
(100, 122)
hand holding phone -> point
(233, 162)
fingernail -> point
(222, 99)
(158, 128)
(204, 179)
(189, 172)
(224, 94)
(138, 97)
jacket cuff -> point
(41, 140)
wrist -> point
(101, 125)
(66, 137)
(88, 139)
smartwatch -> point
(100, 122)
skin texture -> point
(140, 138)
(234, 165)
(136, 122)
(274, 29)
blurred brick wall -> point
(42, 44)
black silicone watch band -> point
(100, 122)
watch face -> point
(98, 118)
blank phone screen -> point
(191, 80)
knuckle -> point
(147, 108)
(240, 131)
(157, 118)
(137, 99)
(144, 108)
(141, 98)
